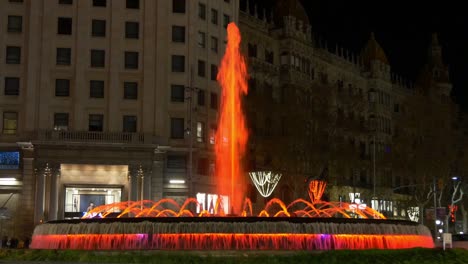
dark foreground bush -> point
(410, 256)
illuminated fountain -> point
(166, 225)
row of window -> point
(61, 122)
(178, 65)
(214, 15)
(96, 90)
(178, 130)
(252, 53)
(178, 96)
(131, 4)
(201, 41)
(62, 88)
(178, 36)
(63, 57)
(98, 27)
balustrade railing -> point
(88, 136)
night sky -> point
(404, 32)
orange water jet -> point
(231, 135)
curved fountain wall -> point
(230, 233)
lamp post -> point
(435, 208)
(190, 90)
(373, 130)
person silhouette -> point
(90, 207)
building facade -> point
(111, 101)
(96, 99)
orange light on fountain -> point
(316, 190)
(231, 135)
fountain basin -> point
(230, 233)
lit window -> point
(10, 122)
(200, 132)
(201, 39)
(61, 121)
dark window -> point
(96, 89)
(129, 124)
(214, 44)
(15, 24)
(269, 56)
(131, 90)
(65, 2)
(177, 128)
(64, 26)
(227, 1)
(252, 50)
(214, 16)
(131, 60)
(62, 87)
(214, 101)
(132, 30)
(179, 162)
(201, 97)
(178, 34)
(133, 4)
(203, 165)
(214, 72)
(226, 20)
(13, 55)
(252, 83)
(11, 86)
(63, 56)
(61, 121)
(202, 11)
(178, 6)
(10, 122)
(268, 91)
(201, 68)
(101, 3)
(98, 28)
(96, 122)
(177, 93)
(178, 63)
(15, 1)
(396, 108)
(98, 58)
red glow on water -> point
(231, 135)
(220, 241)
(274, 208)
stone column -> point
(39, 198)
(27, 201)
(53, 199)
(133, 196)
(147, 184)
(157, 176)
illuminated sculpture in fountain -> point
(316, 190)
(265, 181)
(152, 225)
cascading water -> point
(300, 225)
(231, 135)
(230, 233)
